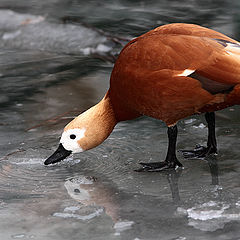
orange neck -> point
(98, 122)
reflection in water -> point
(89, 191)
(213, 166)
(173, 178)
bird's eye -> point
(72, 136)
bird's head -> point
(86, 131)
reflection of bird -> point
(169, 73)
(89, 191)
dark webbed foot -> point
(199, 152)
(158, 166)
(171, 161)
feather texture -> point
(175, 71)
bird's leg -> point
(201, 151)
(171, 161)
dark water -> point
(55, 61)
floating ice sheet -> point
(25, 31)
(211, 215)
(71, 212)
(122, 226)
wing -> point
(184, 49)
(173, 71)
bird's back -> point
(177, 70)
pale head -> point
(71, 139)
(86, 131)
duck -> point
(169, 73)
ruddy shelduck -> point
(168, 73)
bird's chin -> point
(60, 154)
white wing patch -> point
(186, 73)
(233, 48)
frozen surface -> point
(24, 31)
(46, 80)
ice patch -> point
(71, 209)
(122, 226)
(69, 212)
(18, 104)
(18, 236)
(33, 20)
(87, 51)
(101, 48)
(2, 204)
(188, 121)
(207, 211)
(11, 20)
(210, 216)
(22, 236)
(25, 31)
(27, 161)
(181, 211)
(201, 126)
(11, 35)
(69, 160)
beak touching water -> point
(60, 154)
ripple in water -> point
(23, 176)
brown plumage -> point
(145, 76)
(169, 73)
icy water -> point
(55, 62)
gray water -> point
(55, 61)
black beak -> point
(60, 154)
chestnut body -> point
(148, 77)
(169, 73)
